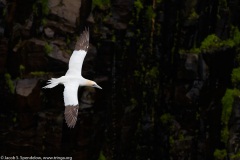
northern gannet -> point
(73, 79)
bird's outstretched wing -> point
(71, 114)
(78, 55)
(70, 96)
(83, 41)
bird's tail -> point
(52, 83)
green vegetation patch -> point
(38, 73)
(193, 16)
(21, 70)
(150, 13)
(44, 7)
(213, 43)
(101, 156)
(101, 3)
(48, 48)
(227, 102)
(235, 156)
(236, 35)
(9, 82)
(138, 5)
(220, 154)
(236, 76)
(166, 118)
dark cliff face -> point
(168, 69)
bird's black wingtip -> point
(83, 41)
(71, 114)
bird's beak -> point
(97, 86)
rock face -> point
(65, 10)
(3, 54)
(49, 32)
(40, 48)
(28, 101)
(58, 54)
(24, 87)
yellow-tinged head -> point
(93, 84)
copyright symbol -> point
(2, 157)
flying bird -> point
(73, 79)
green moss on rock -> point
(38, 73)
(166, 118)
(236, 35)
(101, 3)
(9, 82)
(48, 48)
(138, 6)
(235, 156)
(220, 154)
(213, 43)
(236, 76)
(227, 102)
(101, 156)
(44, 7)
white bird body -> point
(73, 79)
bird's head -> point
(93, 84)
